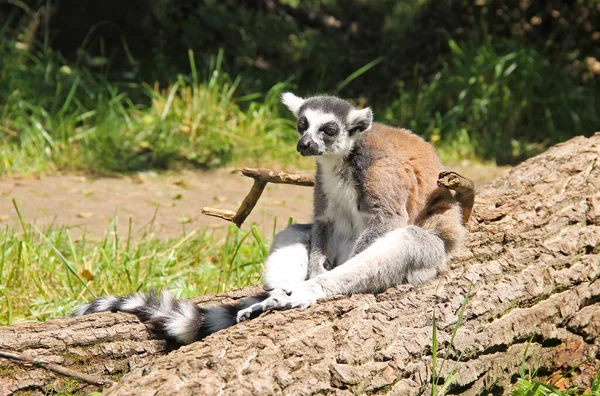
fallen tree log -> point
(102, 346)
(532, 262)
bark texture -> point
(102, 345)
(532, 257)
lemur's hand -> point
(300, 295)
(303, 295)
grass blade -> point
(458, 323)
(434, 350)
(359, 73)
(65, 261)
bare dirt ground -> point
(171, 202)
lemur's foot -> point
(301, 295)
(271, 303)
(251, 311)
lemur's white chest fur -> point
(342, 209)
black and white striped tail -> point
(177, 321)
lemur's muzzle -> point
(306, 146)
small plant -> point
(529, 385)
(439, 387)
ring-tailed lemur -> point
(379, 220)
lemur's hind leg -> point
(405, 255)
(287, 262)
(286, 266)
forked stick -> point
(261, 178)
(464, 191)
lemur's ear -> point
(360, 120)
(292, 102)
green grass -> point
(491, 101)
(534, 387)
(529, 384)
(441, 381)
(60, 117)
(491, 93)
(45, 274)
(498, 101)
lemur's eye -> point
(329, 130)
(302, 124)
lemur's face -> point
(327, 124)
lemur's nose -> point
(306, 146)
(303, 144)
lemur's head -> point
(327, 124)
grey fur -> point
(377, 227)
(328, 104)
(320, 233)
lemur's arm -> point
(321, 230)
(317, 261)
(382, 223)
(384, 218)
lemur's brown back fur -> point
(401, 179)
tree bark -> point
(105, 346)
(532, 260)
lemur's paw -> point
(274, 301)
(245, 314)
(302, 295)
(299, 295)
(450, 180)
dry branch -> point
(272, 176)
(261, 178)
(463, 187)
(18, 358)
(532, 256)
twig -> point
(16, 357)
(271, 176)
(261, 178)
(220, 213)
(249, 202)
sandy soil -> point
(171, 202)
